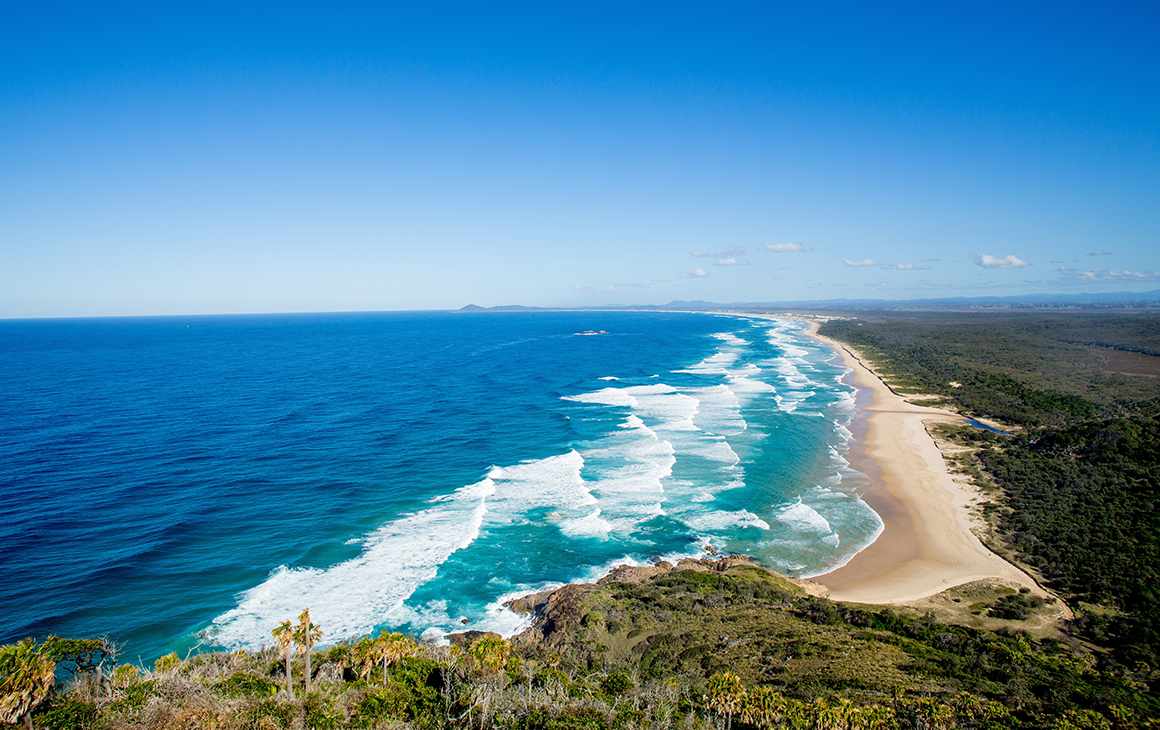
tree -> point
(726, 695)
(491, 652)
(78, 655)
(305, 634)
(26, 678)
(284, 635)
(392, 648)
(762, 708)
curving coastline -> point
(927, 545)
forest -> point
(1079, 476)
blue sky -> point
(287, 157)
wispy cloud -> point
(784, 247)
(727, 253)
(905, 267)
(863, 262)
(1111, 275)
(694, 274)
(1100, 252)
(731, 262)
(1007, 262)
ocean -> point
(173, 482)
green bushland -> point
(1080, 477)
(1028, 369)
(737, 648)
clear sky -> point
(287, 157)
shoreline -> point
(926, 545)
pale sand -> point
(927, 545)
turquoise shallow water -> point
(170, 481)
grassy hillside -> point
(704, 646)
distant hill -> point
(471, 308)
(1082, 301)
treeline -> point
(1032, 370)
(1083, 510)
(1081, 481)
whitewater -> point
(411, 471)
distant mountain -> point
(505, 308)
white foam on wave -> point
(717, 450)
(803, 517)
(721, 520)
(609, 377)
(661, 404)
(716, 364)
(352, 597)
(719, 410)
(591, 525)
(554, 482)
(625, 472)
(731, 339)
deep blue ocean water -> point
(170, 481)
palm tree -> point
(726, 695)
(305, 635)
(392, 648)
(26, 678)
(284, 634)
(491, 652)
(762, 708)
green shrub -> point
(616, 683)
(244, 684)
(69, 714)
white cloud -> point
(731, 262)
(1100, 252)
(694, 274)
(1007, 262)
(907, 267)
(784, 247)
(863, 262)
(1113, 275)
(700, 255)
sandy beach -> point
(927, 545)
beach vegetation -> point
(759, 654)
